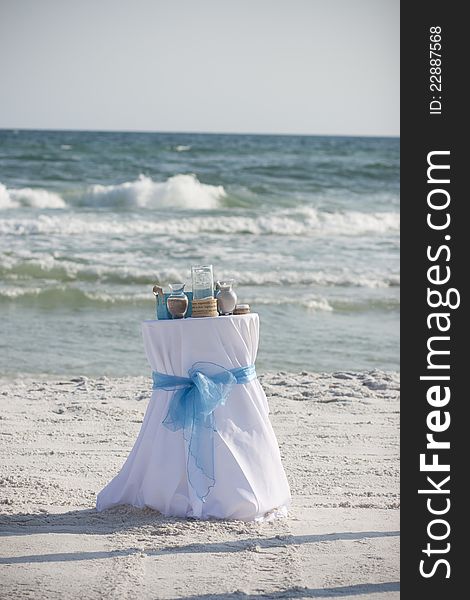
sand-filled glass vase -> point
(177, 301)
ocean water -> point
(307, 226)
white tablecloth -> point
(250, 480)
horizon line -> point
(198, 132)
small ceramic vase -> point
(226, 297)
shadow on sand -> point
(300, 592)
(89, 521)
(83, 522)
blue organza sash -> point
(192, 408)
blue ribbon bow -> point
(192, 409)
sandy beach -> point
(63, 439)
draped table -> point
(206, 447)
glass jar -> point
(177, 301)
(203, 282)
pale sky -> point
(328, 67)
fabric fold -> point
(191, 409)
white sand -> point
(62, 440)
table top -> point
(196, 319)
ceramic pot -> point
(226, 297)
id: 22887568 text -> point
(435, 70)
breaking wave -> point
(294, 222)
(29, 197)
(179, 191)
(50, 268)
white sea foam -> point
(311, 303)
(182, 148)
(12, 293)
(62, 294)
(180, 191)
(46, 266)
(71, 295)
(186, 192)
(49, 267)
(74, 295)
(349, 222)
(34, 198)
(309, 222)
(6, 200)
(321, 278)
